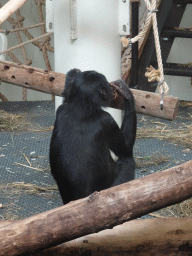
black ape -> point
(84, 134)
(70, 77)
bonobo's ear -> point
(103, 93)
(106, 93)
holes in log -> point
(147, 96)
(51, 79)
(6, 67)
(30, 70)
(13, 77)
(143, 107)
(27, 83)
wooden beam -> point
(148, 103)
(101, 210)
(32, 77)
(9, 8)
(141, 237)
(170, 237)
(52, 82)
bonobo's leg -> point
(125, 169)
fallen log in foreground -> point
(97, 212)
(51, 82)
(170, 237)
(144, 237)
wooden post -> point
(9, 8)
(99, 211)
(147, 103)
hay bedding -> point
(160, 130)
(19, 122)
(177, 132)
(181, 135)
(13, 190)
(11, 122)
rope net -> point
(152, 74)
(42, 42)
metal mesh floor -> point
(24, 158)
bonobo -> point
(84, 134)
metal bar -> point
(135, 30)
(172, 32)
(183, 1)
(173, 69)
(176, 69)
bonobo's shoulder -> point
(61, 108)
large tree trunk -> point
(52, 82)
(99, 211)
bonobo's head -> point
(70, 77)
(90, 89)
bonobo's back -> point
(83, 136)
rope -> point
(3, 98)
(151, 17)
(163, 88)
(27, 42)
(14, 58)
(153, 74)
(21, 29)
(23, 51)
(44, 44)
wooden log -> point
(6, 222)
(9, 8)
(147, 103)
(32, 77)
(170, 237)
(99, 211)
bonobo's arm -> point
(129, 124)
(116, 139)
(122, 140)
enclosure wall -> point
(97, 46)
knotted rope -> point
(152, 74)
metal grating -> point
(21, 203)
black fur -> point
(83, 136)
(70, 77)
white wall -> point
(97, 46)
(13, 92)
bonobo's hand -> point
(124, 90)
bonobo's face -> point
(98, 87)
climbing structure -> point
(42, 42)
